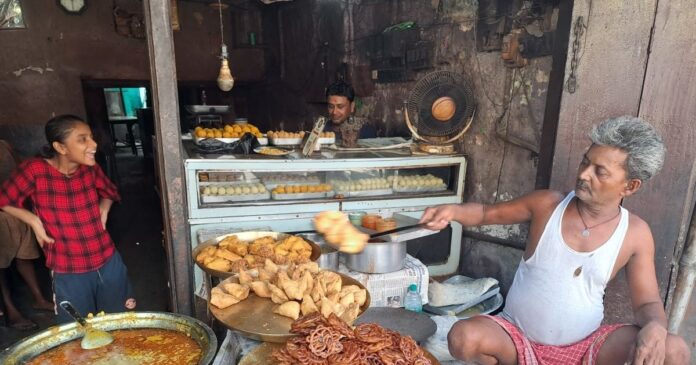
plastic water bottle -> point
(412, 301)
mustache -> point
(581, 184)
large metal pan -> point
(254, 318)
(32, 346)
(246, 237)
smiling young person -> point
(577, 243)
(71, 198)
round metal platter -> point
(254, 318)
(417, 325)
(263, 354)
(246, 237)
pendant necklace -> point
(586, 231)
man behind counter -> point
(577, 243)
(340, 98)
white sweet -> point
(206, 191)
(246, 190)
(238, 190)
(254, 190)
(213, 190)
(229, 190)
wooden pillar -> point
(160, 44)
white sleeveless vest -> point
(546, 301)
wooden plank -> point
(669, 102)
(169, 154)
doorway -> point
(120, 115)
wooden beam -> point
(160, 44)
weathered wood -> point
(160, 44)
(606, 86)
(669, 102)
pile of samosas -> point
(233, 255)
(302, 288)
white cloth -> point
(546, 301)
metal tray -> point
(263, 354)
(417, 325)
(254, 318)
(294, 196)
(359, 193)
(247, 237)
(235, 198)
(262, 141)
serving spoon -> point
(93, 337)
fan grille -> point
(432, 87)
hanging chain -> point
(577, 33)
(222, 35)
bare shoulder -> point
(545, 200)
(639, 235)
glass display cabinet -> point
(245, 192)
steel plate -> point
(254, 317)
(246, 237)
(263, 354)
(417, 325)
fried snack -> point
(265, 275)
(308, 282)
(221, 299)
(289, 309)
(360, 297)
(311, 266)
(239, 291)
(260, 288)
(220, 264)
(338, 231)
(238, 265)
(277, 294)
(332, 341)
(270, 266)
(206, 253)
(245, 277)
(227, 255)
(347, 299)
(351, 313)
(233, 244)
(308, 306)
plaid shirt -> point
(68, 206)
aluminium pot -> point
(34, 345)
(378, 257)
(329, 256)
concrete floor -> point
(136, 227)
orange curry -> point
(146, 346)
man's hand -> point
(649, 348)
(437, 218)
(41, 235)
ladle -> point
(93, 337)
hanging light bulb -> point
(225, 81)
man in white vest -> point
(577, 243)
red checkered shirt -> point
(68, 206)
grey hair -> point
(640, 140)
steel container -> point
(33, 346)
(329, 256)
(378, 258)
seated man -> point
(576, 245)
(17, 243)
(340, 98)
